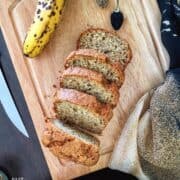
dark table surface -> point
(21, 157)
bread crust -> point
(101, 57)
(93, 76)
(65, 145)
(129, 53)
(87, 101)
(83, 72)
(86, 53)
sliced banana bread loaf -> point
(91, 59)
(109, 43)
(90, 82)
(82, 110)
(69, 143)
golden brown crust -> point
(106, 113)
(83, 72)
(112, 33)
(93, 54)
(79, 98)
(93, 76)
(64, 145)
(85, 100)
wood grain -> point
(38, 76)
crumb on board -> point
(47, 119)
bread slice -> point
(91, 59)
(90, 82)
(69, 143)
(106, 42)
(82, 110)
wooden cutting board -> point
(38, 76)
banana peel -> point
(47, 16)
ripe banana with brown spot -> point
(48, 13)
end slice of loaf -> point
(90, 82)
(82, 110)
(69, 143)
(116, 48)
(91, 59)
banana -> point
(41, 19)
(47, 16)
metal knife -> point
(10, 107)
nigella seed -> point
(35, 35)
(41, 19)
(38, 17)
(48, 8)
(39, 3)
(44, 5)
(38, 11)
